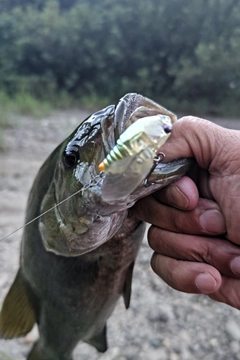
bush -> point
(181, 50)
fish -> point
(77, 257)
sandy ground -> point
(161, 323)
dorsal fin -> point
(17, 316)
(127, 289)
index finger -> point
(183, 194)
(205, 218)
(195, 137)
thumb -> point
(215, 149)
(201, 139)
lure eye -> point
(70, 159)
(167, 129)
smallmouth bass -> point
(77, 259)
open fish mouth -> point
(141, 127)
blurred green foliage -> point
(184, 54)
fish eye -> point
(70, 159)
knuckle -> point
(203, 254)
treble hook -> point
(156, 160)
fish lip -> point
(172, 168)
(133, 107)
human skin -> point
(195, 232)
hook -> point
(156, 160)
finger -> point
(200, 177)
(206, 218)
(219, 253)
(183, 194)
(190, 277)
(203, 184)
(198, 138)
(215, 149)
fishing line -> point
(85, 187)
(37, 217)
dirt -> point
(161, 324)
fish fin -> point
(99, 341)
(17, 316)
(127, 289)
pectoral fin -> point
(17, 316)
(99, 341)
(127, 289)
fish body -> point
(77, 259)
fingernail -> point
(213, 221)
(177, 197)
(235, 265)
(205, 282)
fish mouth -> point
(131, 165)
(133, 107)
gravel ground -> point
(161, 324)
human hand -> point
(186, 261)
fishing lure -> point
(129, 162)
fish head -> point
(83, 218)
(76, 225)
